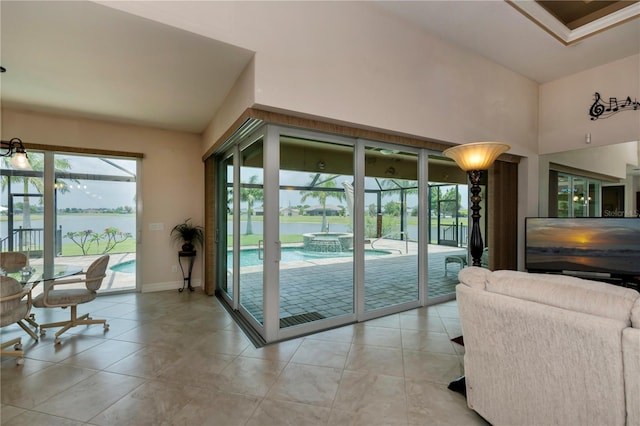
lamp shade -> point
(20, 161)
(477, 155)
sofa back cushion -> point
(474, 277)
(635, 314)
(590, 297)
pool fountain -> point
(327, 242)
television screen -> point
(608, 246)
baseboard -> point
(168, 285)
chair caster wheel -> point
(19, 361)
(43, 332)
(58, 341)
(106, 327)
(17, 346)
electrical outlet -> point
(174, 268)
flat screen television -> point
(593, 247)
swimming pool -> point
(128, 267)
(249, 257)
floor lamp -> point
(474, 158)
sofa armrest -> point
(631, 362)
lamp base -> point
(459, 385)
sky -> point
(88, 193)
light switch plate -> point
(156, 226)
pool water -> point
(128, 267)
(249, 257)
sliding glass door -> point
(95, 214)
(70, 209)
(318, 230)
(574, 196)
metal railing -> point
(401, 233)
(29, 240)
(453, 234)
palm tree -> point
(36, 182)
(251, 195)
(322, 195)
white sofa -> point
(549, 349)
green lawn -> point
(71, 249)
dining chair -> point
(55, 297)
(12, 261)
(13, 309)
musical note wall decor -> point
(603, 109)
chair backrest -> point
(8, 287)
(96, 272)
(12, 261)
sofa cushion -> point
(474, 277)
(635, 314)
(576, 294)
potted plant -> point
(190, 235)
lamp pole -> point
(476, 246)
(474, 158)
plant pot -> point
(187, 247)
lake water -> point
(74, 223)
(97, 223)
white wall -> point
(353, 62)
(610, 160)
(172, 178)
(564, 107)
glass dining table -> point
(36, 274)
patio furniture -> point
(460, 259)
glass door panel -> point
(225, 234)
(22, 209)
(251, 250)
(391, 195)
(95, 214)
(448, 235)
(580, 198)
(316, 231)
(565, 193)
(594, 197)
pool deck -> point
(324, 287)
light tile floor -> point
(179, 359)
